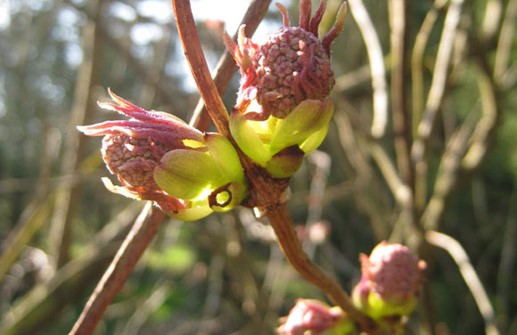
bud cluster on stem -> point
(158, 157)
(282, 113)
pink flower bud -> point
(390, 282)
(293, 65)
(133, 148)
(310, 317)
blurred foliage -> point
(225, 274)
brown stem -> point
(135, 243)
(266, 194)
(399, 16)
(198, 66)
(281, 222)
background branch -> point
(198, 66)
(468, 273)
(399, 32)
(438, 84)
(226, 66)
(377, 70)
(134, 245)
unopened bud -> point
(390, 282)
(315, 318)
(293, 65)
(158, 157)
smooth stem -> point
(226, 67)
(281, 222)
(198, 66)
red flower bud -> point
(133, 148)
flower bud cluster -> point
(283, 111)
(282, 114)
(158, 157)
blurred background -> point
(430, 146)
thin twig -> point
(322, 163)
(367, 184)
(488, 122)
(377, 70)
(465, 150)
(447, 174)
(68, 195)
(417, 58)
(144, 311)
(507, 269)
(504, 45)
(226, 66)
(438, 83)
(281, 222)
(492, 19)
(417, 79)
(135, 243)
(467, 271)
(44, 303)
(198, 66)
(400, 191)
(353, 79)
(398, 15)
(162, 86)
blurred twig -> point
(165, 91)
(447, 174)
(366, 184)
(507, 269)
(492, 18)
(487, 124)
(417, 77)
(154, 70)
(400, 191)
(135, 243)
(438, 84)
(377, 70)
(322, 163)
(399, 32)
(151, 304)
(458, 254)
(36, 213)
(42, 305)
(504, 46)
(67, 196)
(417, 58)
(198, 66)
